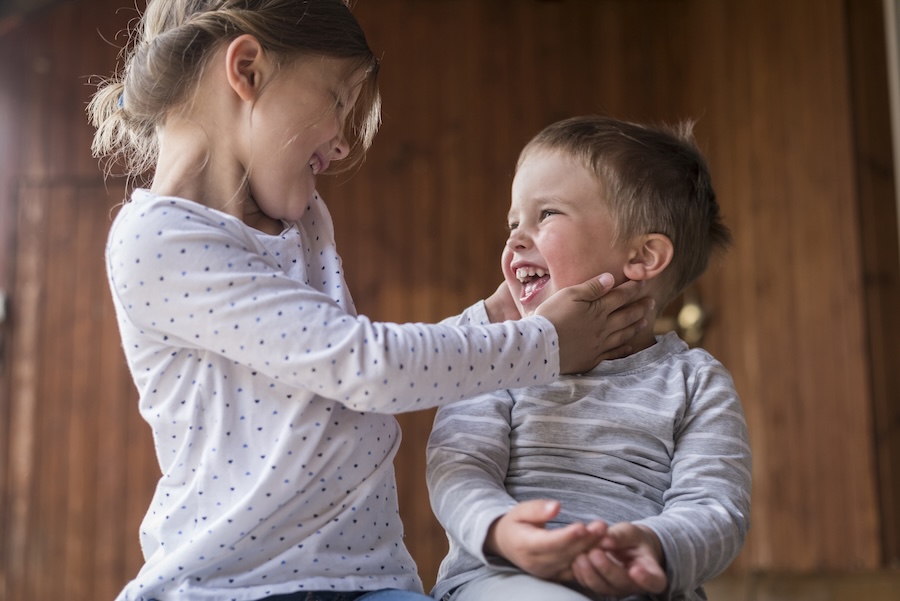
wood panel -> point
(801, 306)
(74, 505)
(9, 122)
(881, 261)
(9, 165)
(837, 586)
(77, 465)
(774, 79)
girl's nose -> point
(341, 148)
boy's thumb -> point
(537, 512)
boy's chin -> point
(529, 310)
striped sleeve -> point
(706, 510)
(468, 455)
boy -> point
(630, 481)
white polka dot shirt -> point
(269, 402)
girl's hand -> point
(629, 560)
(500, 305)
(593, 321)
(520, 537)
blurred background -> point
(793, 108)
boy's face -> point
(560, 230)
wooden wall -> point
(792, 111)
(876, 196)
(77, 467)
(773, 81)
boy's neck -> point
(643, 339)
(500, 307)
(646, 336)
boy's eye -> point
(513, 225)
(547, 212)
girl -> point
(268, 397)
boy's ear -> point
(246, 66)
(649, 256)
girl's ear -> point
(650, 255)
(246, 66)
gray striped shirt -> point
(657, 438)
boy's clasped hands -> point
(615, 560)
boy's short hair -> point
(654, 180)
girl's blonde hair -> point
(172, 44)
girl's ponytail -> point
(172, 44)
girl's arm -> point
(188, 278)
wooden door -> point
(778, 89)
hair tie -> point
(121, 100)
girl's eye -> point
(547, 212)
(339, 101)
(513, 226)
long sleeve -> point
(657, 438)
(186, 276)
(707, 507)
(465, 473)
(269, 398)
(467, 459)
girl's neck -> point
(188, 168)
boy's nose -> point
(518, 239)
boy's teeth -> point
(523, 273)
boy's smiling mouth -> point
(533, 280)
